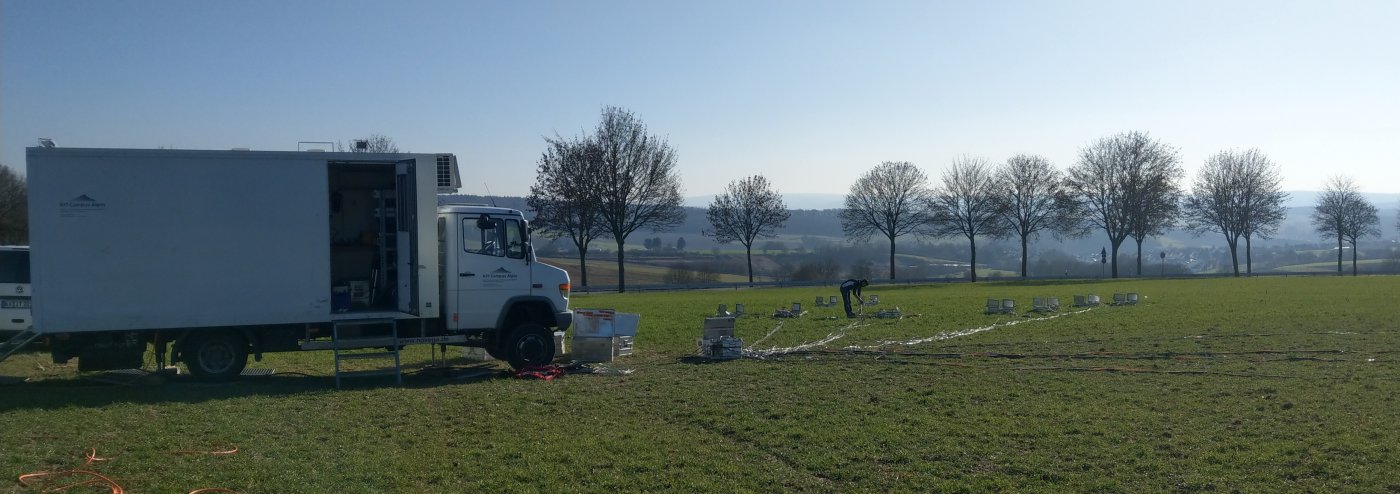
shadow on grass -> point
(101, 389)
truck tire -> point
(495, 344)
(529, 344)
(216, 355)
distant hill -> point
(793, 201)
(1308, 199)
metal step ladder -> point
(16, 342)
(391, 342)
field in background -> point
(1257, 385)
(603, 272)
(1331, 267)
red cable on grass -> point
(111, 484)
(45, 477)
(545, 372)
(92, 457)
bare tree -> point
(1215, 203)
(1262, 201)
(890, 199)
(1238, 195)
(1126, 185)
(375, 143)
(1032, 193)
(639, 186)
(966, 204)
(1158, 197)
(1342, 212)
(748, 209)
(14, 207)
(564, 196)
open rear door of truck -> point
(407, 238)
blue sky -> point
(810, 94)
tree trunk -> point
(1248, 257)
(1234, 254)
(1023, 256)
(1353, 258)
(1115, 258)
(891, 257)
(583, 266)
(748, 254)
(1339, 255)
(621, 271)
(972, 243)
(1139, 256)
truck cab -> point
(493, 285)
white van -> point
(14, 288)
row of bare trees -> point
(619, 179)
(1125, 185)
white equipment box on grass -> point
(603, 334)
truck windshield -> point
(14, 266)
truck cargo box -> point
(129, 239)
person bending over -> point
(850, 287)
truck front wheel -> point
(215, 356)
(529, 344)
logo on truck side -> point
(498, 278)
(80, 206)
(501, 273)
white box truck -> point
(213, 256)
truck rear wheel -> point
(215, 356)
(528, 344)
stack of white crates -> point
(719, 341)
(603, 334)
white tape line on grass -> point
(948, 335)
(765, 337)
(772, 352)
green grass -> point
(1250, 385)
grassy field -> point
(1219, 385)
(1362, 265)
